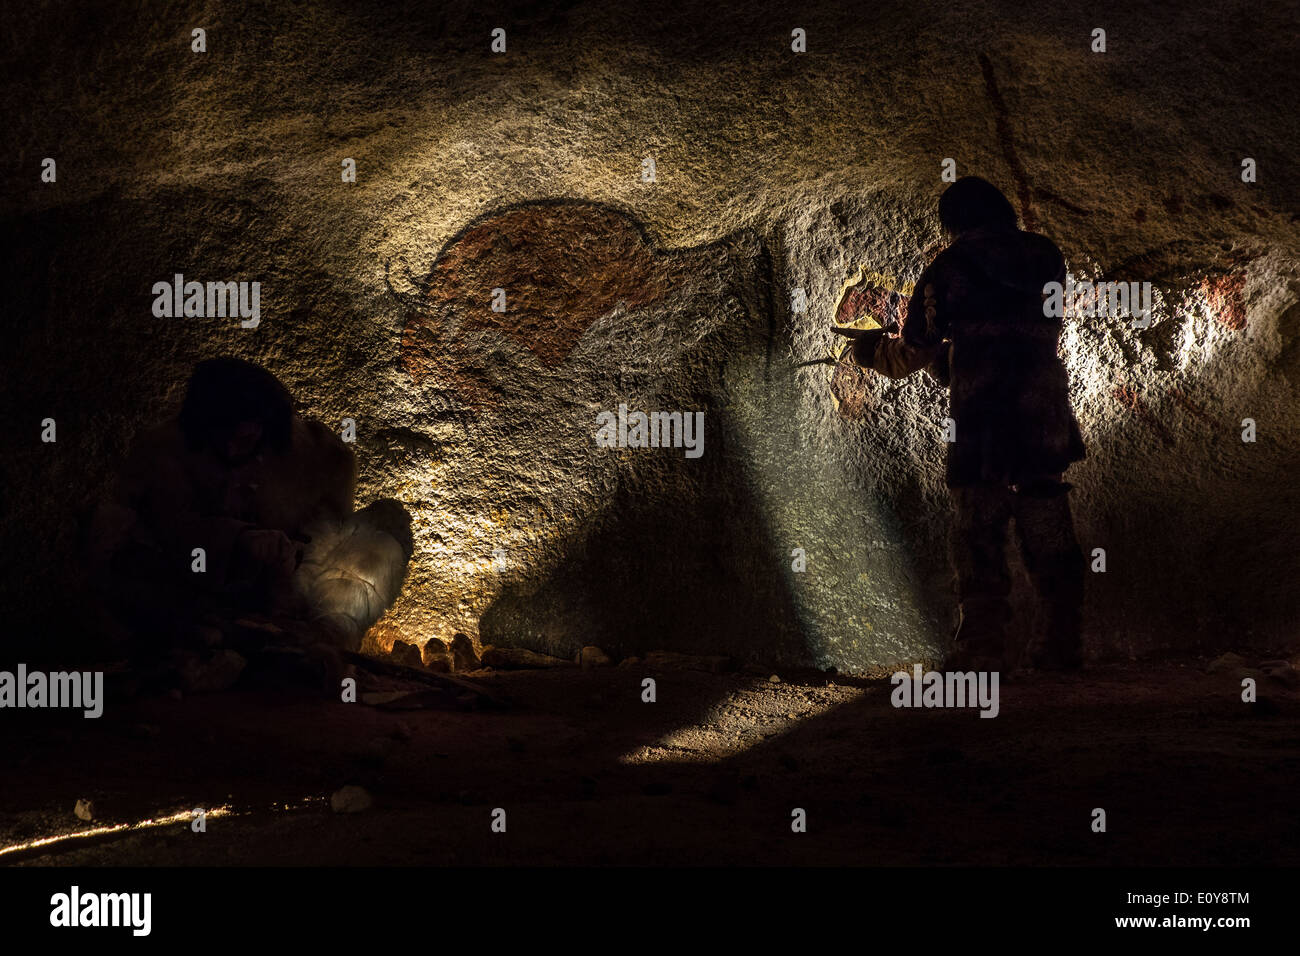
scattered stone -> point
(437, 656)
(629, 662)
(351, 799)
(1226, 662)
(774, 679)
(408, 655)
(671, 660)
(593, 656)
(463, 657)
(518, 658)
(85, 810)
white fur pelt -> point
(352, 570)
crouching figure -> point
(231, 525)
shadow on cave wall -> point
(678, 557)
(682, 556)
(688, 567)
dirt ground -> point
(710, 773)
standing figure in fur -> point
(976, 321)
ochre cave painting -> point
(867, 300)
(1227, 304)
(562, 264)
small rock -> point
(518, 658)
(629, 662)
(1224, 663)
(377, 698)
(85, 810)
(436, 656)
(408, 655)
(463, 657)
(593, 656)
(351, 799)
(774, 679)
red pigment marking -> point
(1227, 304)
(1052, 197)
(849, 383)
(1129, 398)
(883, 305)
(1179, 396)
(849, 386)
(562, 266)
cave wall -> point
(775, 172)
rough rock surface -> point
(774, 172)
(351, 799)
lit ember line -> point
(118, 828)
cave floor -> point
(709, 773)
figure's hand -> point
(941, 368)
(849, 332)
(865, 345)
